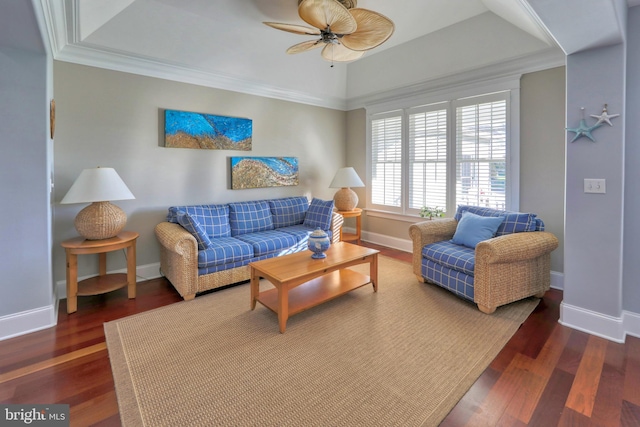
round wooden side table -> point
(103, 282)
(350, 237)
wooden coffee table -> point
(302, 282)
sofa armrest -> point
(511, 267)
(337, 221)
(516, 247)
(426, 232)
(178, 257)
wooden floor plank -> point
(630, 415)
(493, 407)
(585, 386)
(608, 404)
(551, 403)
(8, 376)
(472, 400)
(632, 371)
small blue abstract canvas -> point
(184, 129)
(259, 172)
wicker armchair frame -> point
(507, 268)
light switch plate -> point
(592, 185)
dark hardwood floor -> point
(547, 375)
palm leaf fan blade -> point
(304, 46)
(338, 53)
(327, 13)
(296, 29)
(373, 30)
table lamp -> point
(101, 219)
(346, 199)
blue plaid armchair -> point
(508, 261)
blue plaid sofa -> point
(512, 263)
(204, 247)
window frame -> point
(452, 97)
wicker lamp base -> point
(345, 199)
(100, 220)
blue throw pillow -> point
(288, 211)
(319, 214)
(250, 217)
(195, 228)
(473, 229)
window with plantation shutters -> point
(481, 150)
(427, 146)
(386, 161)
(441, 155)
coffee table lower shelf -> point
(316, 291)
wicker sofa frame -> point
(507, 268)
(179, 260)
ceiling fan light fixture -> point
(373, 30)
(339, 53)
(345, 31)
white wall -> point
(115, 119)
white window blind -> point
(481, 150)
(386, 161)
(462, 151)
(428, 159)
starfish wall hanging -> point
(584, 130)
(605, 117)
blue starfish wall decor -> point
(584, 130)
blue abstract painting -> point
(183, 129)
(259, 172)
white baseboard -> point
(591, 322)
(143, 272)
(25, 322)
(557, 280)
(391, 242)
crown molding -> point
(85, 54)
(549, 58)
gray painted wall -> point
(631, 271)
(25, 280)
(114, 119)
(25, 264)
(593, 230)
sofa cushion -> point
(193, 226)
(288, 211)
(224, 250)
(269, 241)
(249, 217)
(514, 222)
(213, 218)
(473, 229)
(319, 214)
(456, 281)
(455, 257)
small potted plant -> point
(427, 212)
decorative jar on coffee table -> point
(318, 243)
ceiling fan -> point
(346, 32)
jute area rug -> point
(403, 356)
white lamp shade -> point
(97, 185)
(346, 177)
